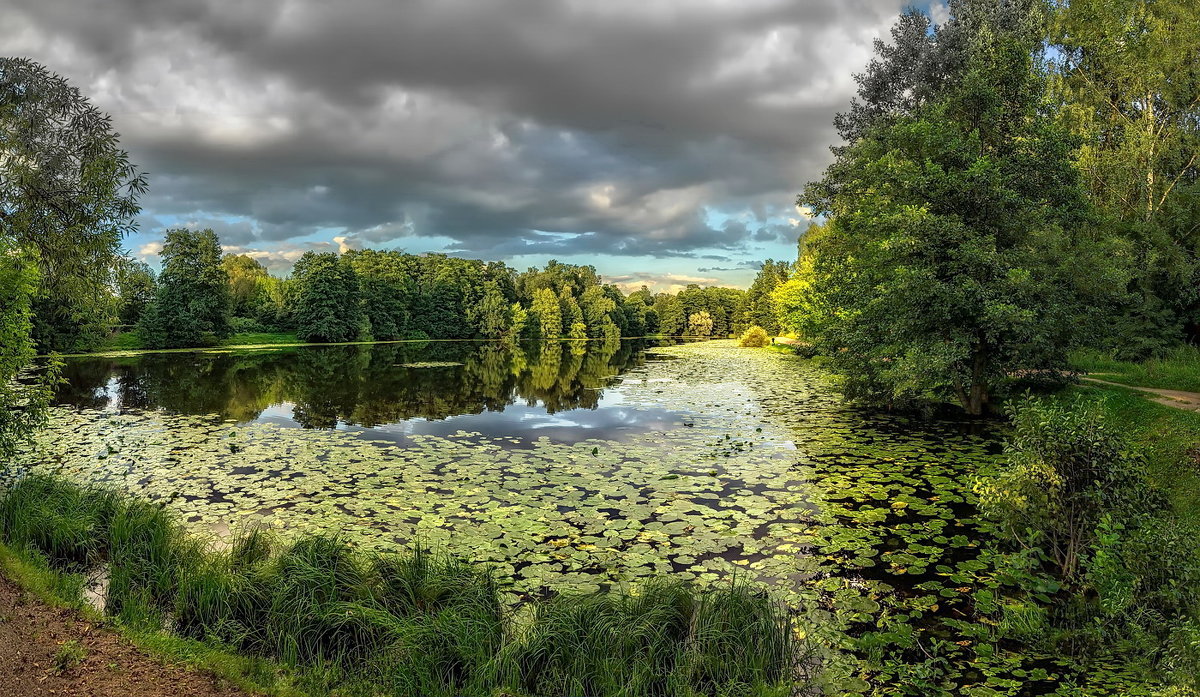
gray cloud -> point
(523, 127)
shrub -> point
(755, 337)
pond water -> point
(576, 466)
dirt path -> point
(1189, 401)
(48, 651)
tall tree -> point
(547, 313)
(1128, 82)
(68, 193)
(328, 303)
(245, 284)
(943, 268)
(191, 307)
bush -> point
(1074, 494)
(1066, 470)
(755, 337)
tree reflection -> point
(365, 385)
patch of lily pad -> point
(864, 523)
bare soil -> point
(33, 661)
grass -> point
(129, 341)
(1167, 437)
(1179, 369)
(330, 619)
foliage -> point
(1125, 80)
(944, 266)
(547, 314)
(328, 307)
(407, 624)
(1075, 493)
(67, 195)
(700, 324)
(760, 303)
(136, 287)
(1067, 470)
(22, 401)
(755, 337)
(191, 307)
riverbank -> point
(412, 623)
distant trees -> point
(68, 193)
(192, 304)
(136, 285)
(700, 324)
(758, 308)
(328, 301)
(387, 295)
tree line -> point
(202, 296)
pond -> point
(576, 466)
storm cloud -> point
(641, 135)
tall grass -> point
(409, 624)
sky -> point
(662, 141)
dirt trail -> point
(49, 651)
(1189, 401)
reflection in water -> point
(374, 386)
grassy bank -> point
(129, 341)
(1179, 369)
(414, 624)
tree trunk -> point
(978, 397)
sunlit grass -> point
(1178, 370)
(413, 624)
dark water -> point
(556, 389)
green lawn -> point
(129, 341)
(1178, 370)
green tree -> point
(328, 304)
(68, 194)
(191, 307)
(700, 324)
(669, 311)
(22, 401)
(136, 287)
(946, 261)
(547, 314)
(759, 305)
(1127, 82)
(245, 284)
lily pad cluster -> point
(864, 523)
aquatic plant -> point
(416, 623)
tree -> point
(671, 318)
(1127, 82)
(191, 307)
(945, 264)
(492, 318)
(759, 304)
(136, 286)
(22, 402)
(547, 314)
(700, 324)
(328, 304)
(68, 194)
(245, 275)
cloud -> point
(491, 129)
(658, 282)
